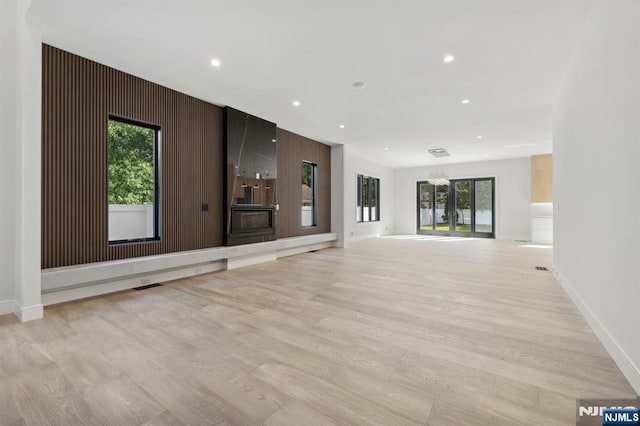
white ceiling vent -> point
(439, 152)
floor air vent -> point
(542, 268)
(144, 287)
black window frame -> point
(157, 129)
(371, 184)
(314, 195)
(451, 208)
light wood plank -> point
(388, 331)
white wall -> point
(337, 193)
(8, 144)
(20, 167)
(513, 190)
(353, 166)
(597, 179)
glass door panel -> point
(442, 208)
(484, 206)
(425, 208)
(462, 213)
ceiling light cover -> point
(439, 152)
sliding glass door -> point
(465, 207)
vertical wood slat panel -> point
(78, 96)
(292, 150)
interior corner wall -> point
(8, 183)
(512, 192)
(596, 148)
(354, 166)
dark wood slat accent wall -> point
(78, 96)
(293, 149)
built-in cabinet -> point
(541, 207)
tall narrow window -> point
(133, 154)
(368, 199)
(309, 194)
(359, 199)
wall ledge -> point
(80, 281)
(630, 371)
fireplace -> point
(250, 164)
(251, 224)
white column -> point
(28, 164)
(7, 158)
(337, 193)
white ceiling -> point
(510, 59)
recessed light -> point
(478, 137)
(273, 140)
(296, 103)
(386, 149)
(341, 126)
(449, 58)
(359, 84)
(215, 62)
(485, 156)
(465, 101)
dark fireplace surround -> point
(250, 179)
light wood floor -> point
(388, 331)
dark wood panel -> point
(293, 149)
(78, 96)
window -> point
(309, 194)
(133, 195)
(464, 207)
(368, 199)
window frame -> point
(314, 195)
(373, 187)
(157, 132)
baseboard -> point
(29, 313)
(8, 307)
(626, 364)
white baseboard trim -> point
(8, 307)
(29, 313)
(626, 365)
